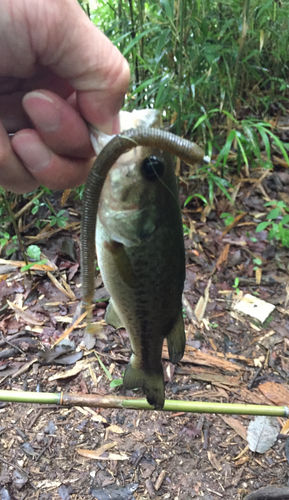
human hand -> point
(57, 72)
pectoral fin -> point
(177, 340)
(111, 316)
(121, 262)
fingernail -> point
(42, 111)
(34, 154)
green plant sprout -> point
(236, 285)
(258, 263)
(196, 195)
(277, 230)
(228, 218)
(59, 219)
(5, 238)
(34, 252)
(114, 382)
(186, 230)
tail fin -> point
(177, 340)
(152, 385)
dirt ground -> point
(53, 452)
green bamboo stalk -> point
(238, 67)
(74, 399)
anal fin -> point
(111, 316)
(176, 340)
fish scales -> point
(141, 256)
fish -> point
(141, 257)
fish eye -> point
(152, 168)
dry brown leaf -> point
(20, 263)
(280, 161)
(242, 461)
(245, 396)
(160, 480)
(25, 316)
(115, 456)
(96, 453)
(206, 212)
(202, 358)
(277, 393)
(25, 367)
(200, 308)
(178, 167)
(64, 288)
(47, 231)
(35, 329)
(214, 461)
(229, 355)
(223, 256)
(245, 450)
(69, 330)
(214, 378)
(258, 275)
(93, 376)
(64, 196)
(79, 367)
(115, 428)
(285, 428)
(95, 416)
(236, 426)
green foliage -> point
(247, 137)
(116, 382)
(190, 56)
(108, 375)
(258, 263)
(37, 204)
(236, 285)
(278, 230)
(214, 181)
(78, 192)
(5, 239)
(59, 219)
(34, 252)
(186, 230)
(228, 218)
(195, 195)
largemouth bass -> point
(140, 252)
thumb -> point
(72, 47)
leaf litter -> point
(229, 357)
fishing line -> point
(164, 184)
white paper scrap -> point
(254, 307)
